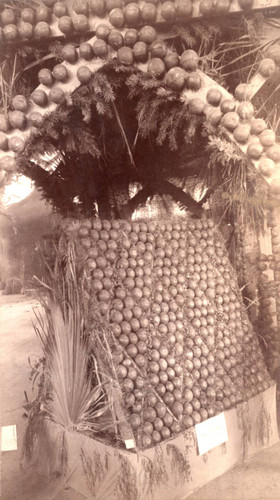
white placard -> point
(9, 438)
(211, 433)
(129, 443)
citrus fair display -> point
(180, 74)
(167, 297)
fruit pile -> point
(58, 18)
(251, 134)
(183, 346)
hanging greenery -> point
(124, 126)
(238, 181)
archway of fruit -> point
(225, 367)
(117, 35)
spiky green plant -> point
(77, 399)
(74, 404)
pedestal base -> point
(170, 471)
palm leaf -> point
(77, 397)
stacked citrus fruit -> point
(47, 18)
(168, 294)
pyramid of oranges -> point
(183, 347)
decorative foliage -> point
(264, 426)
(74, 404)
(230, 169)
(127, 480)
(93, 468)
(244, 423)
(179, 463)
(161, 112)
(110, 134)
(75, 400)
(155, 470)
(34, 431)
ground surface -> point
(257, 479)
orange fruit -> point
(267, 138)
(267, 67)
(230, 120)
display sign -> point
(9, 438)
(129, 443)
(211, 433)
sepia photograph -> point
(140, 249)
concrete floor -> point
(257, 479)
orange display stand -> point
(170, 471)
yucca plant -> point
(74, 404)
(77, 399)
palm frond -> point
(78, 399)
